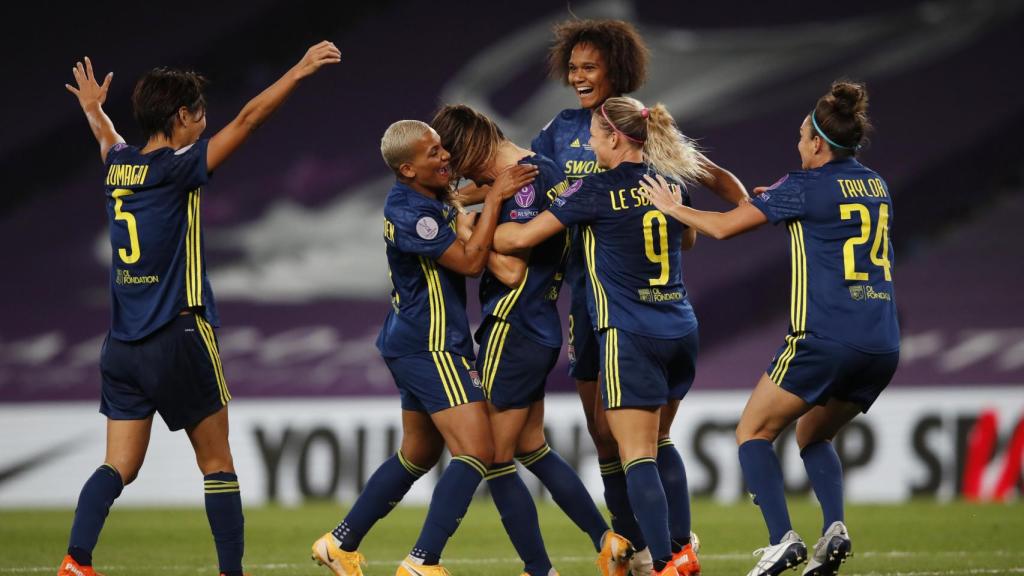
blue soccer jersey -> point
(531, 307)
(428, 301)
(633, 254)
(838, 216)
(566, 141)
(156, 238)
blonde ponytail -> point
(666, 150)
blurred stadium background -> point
(293, 227)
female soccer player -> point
(520, 339)
(600, 59)
(161, 353)
(639, 306)
(426, 343)
(843, 343)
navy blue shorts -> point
(513, 368)
(584, 350)
(640, 371)
(816, 369)
(175, 371)
(434, 381)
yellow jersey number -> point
(659, 256)
(879, 247)
(130, 256)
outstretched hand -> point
(512, 179)
(319, 54)
(86, 88)
(663, 195)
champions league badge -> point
(426, 227)
(526, 196)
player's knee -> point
(209, 465)
(747, 431)
(127, 472)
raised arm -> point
(512, 237)
(91, 97)
(718, 225)
(468, 257)
(723, 183)
(257, 110)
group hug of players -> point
(600, 201)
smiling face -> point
(588, 76)
(428, 167)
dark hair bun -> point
(850, 99)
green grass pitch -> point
(919, 539)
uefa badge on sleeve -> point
(526, 195)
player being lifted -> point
(161, 352)
(637, 301)
(600, 59)
(843, 343)
(520, 339)
(428, 347)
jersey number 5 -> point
(132, 256)
(880, 246)
(659, 256)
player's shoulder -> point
(120, 152)
(404, 205)
(568, 117)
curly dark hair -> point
(623, 49)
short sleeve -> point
(543, 144)
(188, 165)
(114, 152)
(783, 200)
(576, 205)
(422, 231)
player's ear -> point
(182, 115)
(406, 170)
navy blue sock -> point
(826, 474)
(673, 478)
(384, 490)
(616, 497)
(94, 501)
(567, 490)
(647, 496)
(763, 474)
(519, 516)
(224, 511)
(448, 505)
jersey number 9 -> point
(659, 256)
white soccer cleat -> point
(641, 563)
(832, 549)
(788, 554)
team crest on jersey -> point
(857, 292)
(474, 376)
(526, 196)
(427, 228)
(572, 353)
